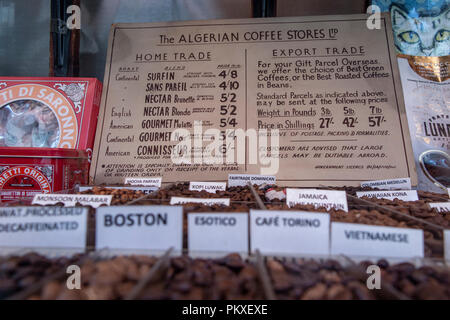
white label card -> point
(218, 232)
(205, 201)
(442, 207)
(71, 200)
(289, 233)
(447, 244)
(364, 240)
(389, 184)
(236, 180)
(43, 227)
(145, 190)
(319, 198)
(139, 227)
(405, 195)
(147, 182)
(210, 187)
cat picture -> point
(424, 35)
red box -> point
(25, 172)
(49, 112)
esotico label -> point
(25, 181)
(62, 113)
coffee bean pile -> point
(20, 272)
(111, 279)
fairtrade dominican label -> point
(310, 100)
(147, 182)
(319, 198)
(43, 227)
(405, 195)
(205, 201)
(447, 244)
(25, 181)
(70, 200)
(442, 207)
(236, 180)
(145, 190)
(139, 227)
(218, 232)
(389, 184)
(210, 187)
(290, 233)
(364, 240)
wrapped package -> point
(49, 112)
(426, 88)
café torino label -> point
(310, 100)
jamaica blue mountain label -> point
(307, 100)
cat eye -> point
(409, 37)
(442, 35)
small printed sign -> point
(389, 184)
(70, 200)
(289, 232)
(441, 207)
(43, 227)
(405, 195)
(364, 240)
(146, 182)
(210, 187)
(236, 180)
(205, 201)
(139, 227)
(447, 244)
(218, 232)
(319, 198)
(145, 190)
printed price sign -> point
(309, 100)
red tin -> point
(49, 112)
(25, 172)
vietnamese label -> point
(43, 227)
(218, 232)
(310, 100)
(145, 190)
(447, 244)
(389, 184)
(210, 187)
(139, 227)
(319, 198)
(405, 195)
(237, 180)
(364, 240)
(441, 207)
(290, 233)
(147, 182)
(70, 200)
(205, 201)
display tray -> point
(127, 276)
(367, 211)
